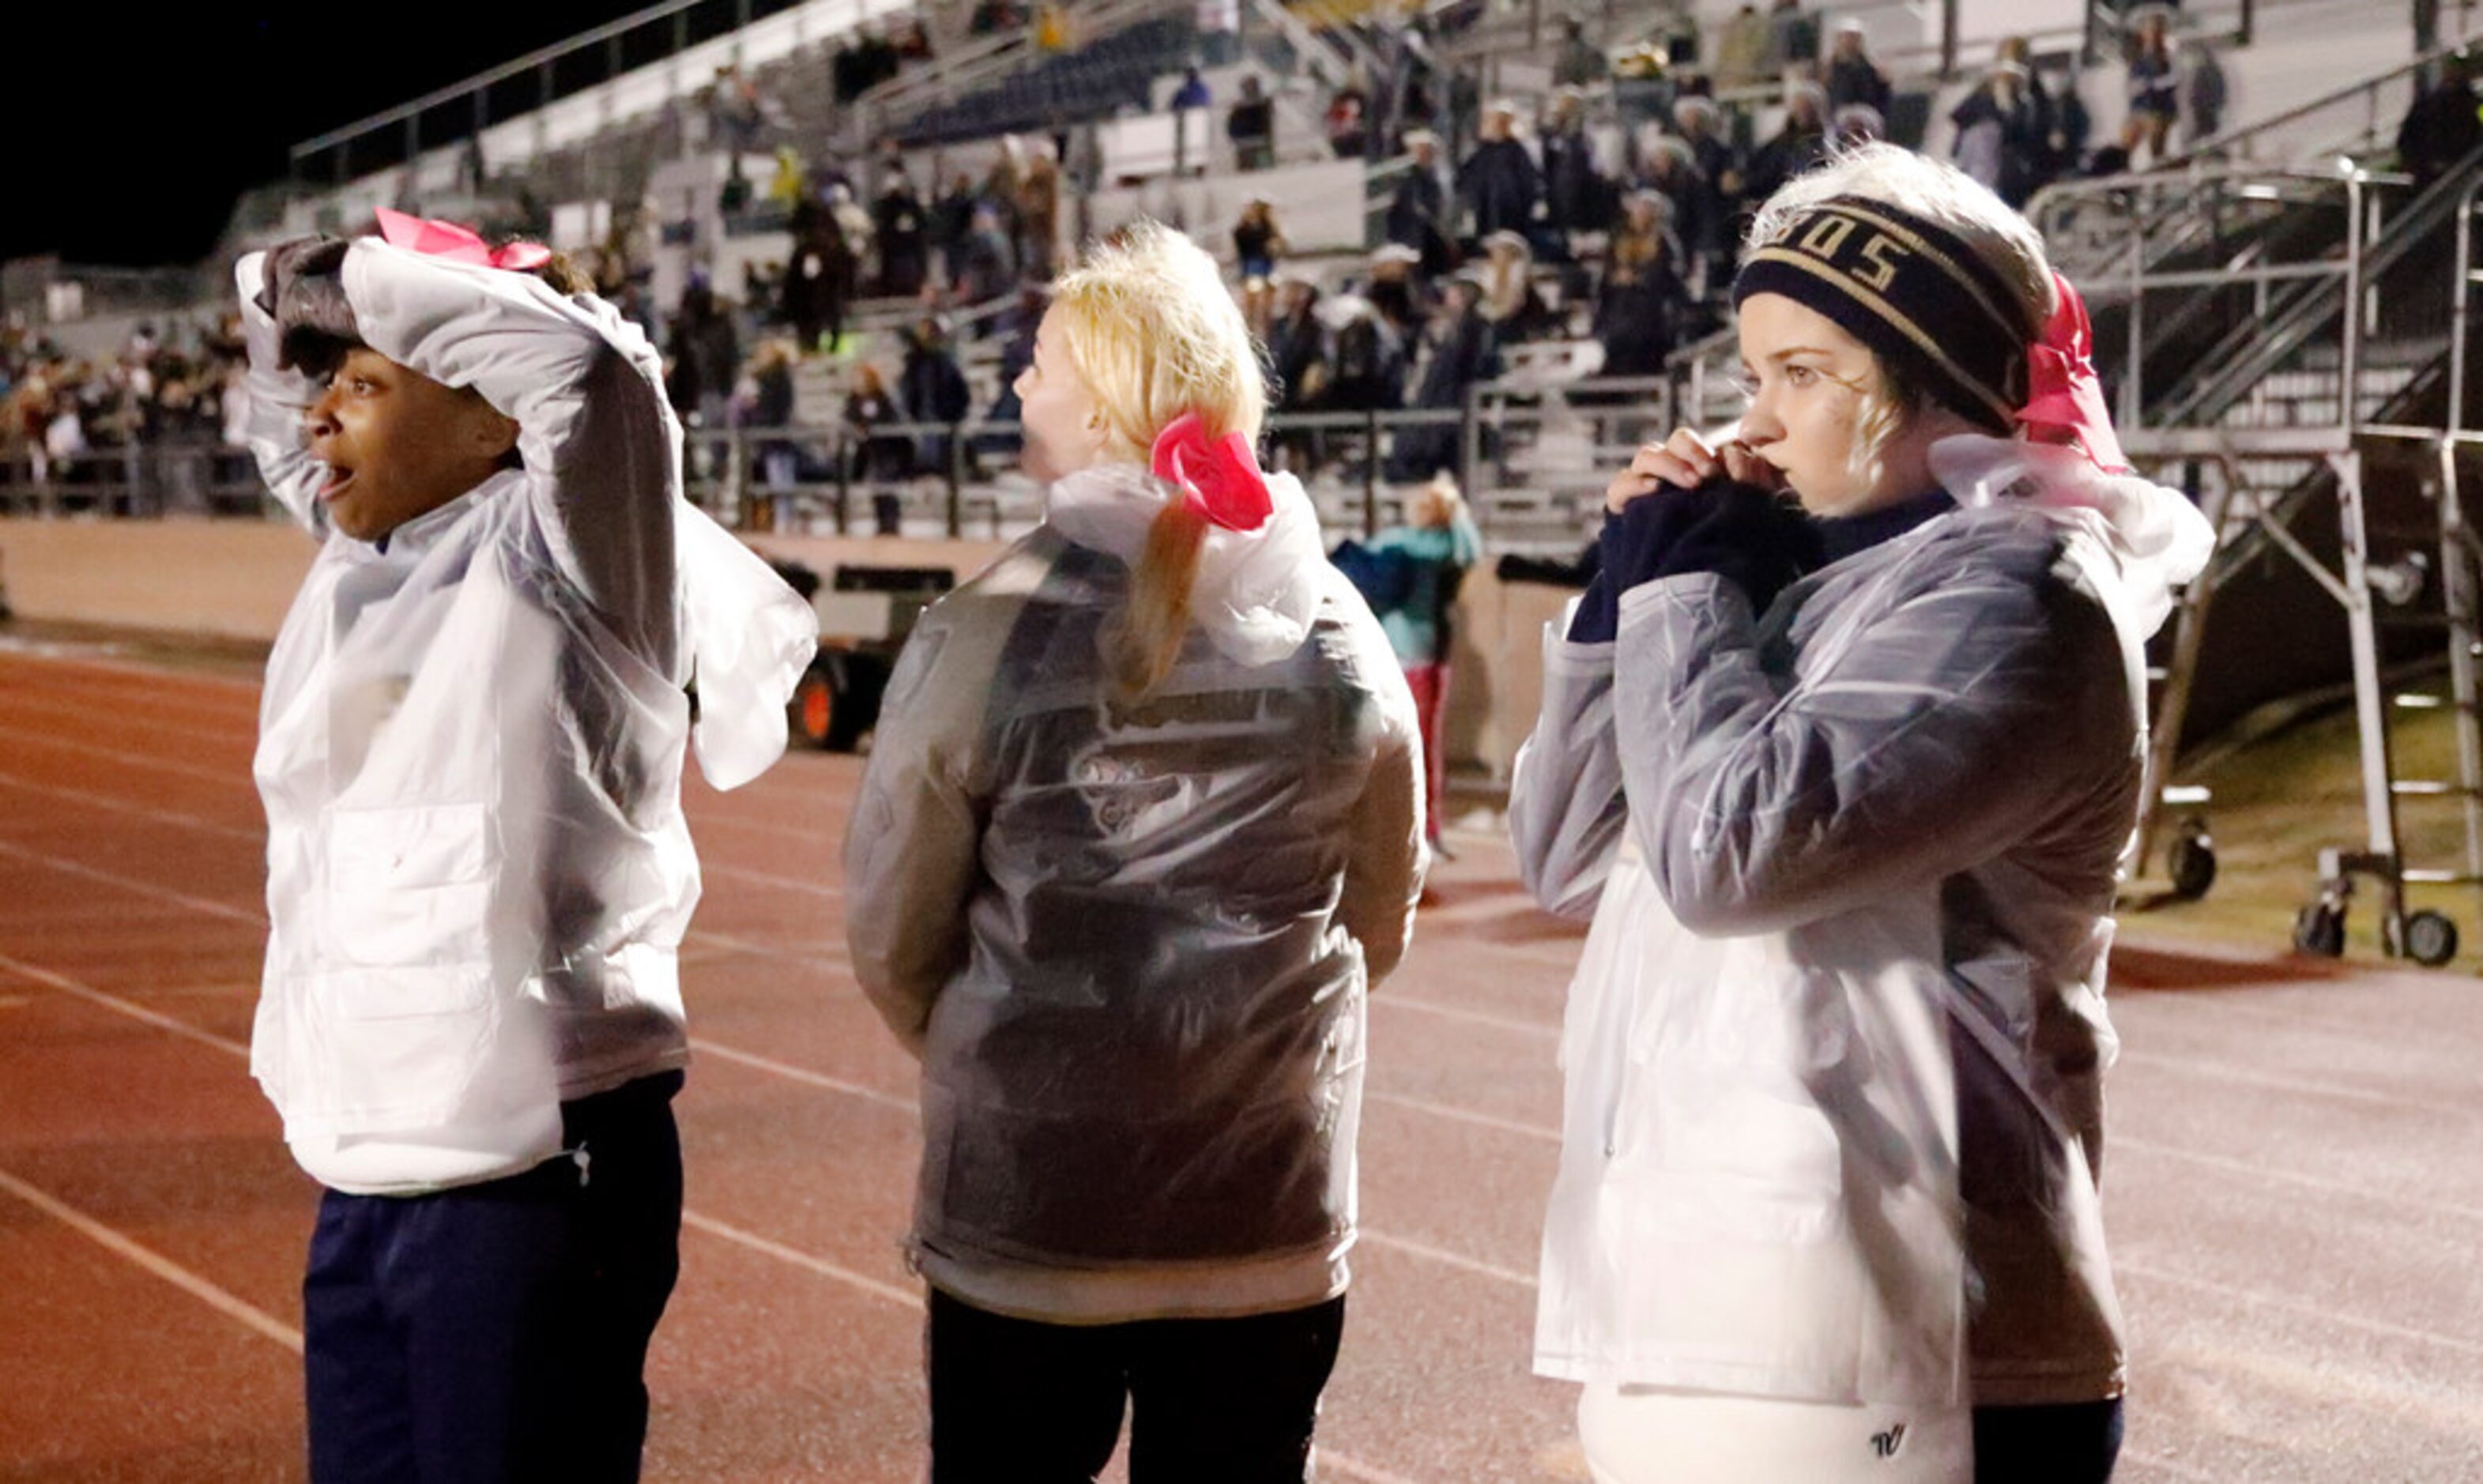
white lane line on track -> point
(18, 649)
(766, 878)
(2288, 1082)
(148, 760)
(2313, 1311)
(768, 1064)
(82, 709)
(1426, 1106)
(125, 806)
(1446, 1258)
(1471, 1016)
(130, 1008)
(2113, 1143)
(127, 883)
(219, 1299)
(801, 1260)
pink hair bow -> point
(457, 243)
(1220, 480)
(2064, 399)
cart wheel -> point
(815, 710)
(2430, 938)
(2320, 929)
(2192, 861)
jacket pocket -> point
(408, 887)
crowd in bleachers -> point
(70, 421)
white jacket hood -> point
(1256, 592)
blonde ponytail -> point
(1157, 617)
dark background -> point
(137, 127)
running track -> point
(2295, 1171)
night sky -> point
(135, 128)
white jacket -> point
(1835, 1051)
(471, 743)
(1130, 941)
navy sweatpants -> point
(499, 1331)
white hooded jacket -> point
(1131, 939)
(470, 742)
(1834, 1055)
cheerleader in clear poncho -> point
(1141, 825)
(1845, 789)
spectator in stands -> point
(1298, 367)
(1852, 77)
(819, 281)
(1367, 358)
(950, 222)
(2154, 84)
(703, 354)
(1251, 125)
(1258, 242)
(1511, 303)
(933, 389)
(1800, 145)
(1038, 213)
(1139, 829)
(1465, 107)
(1426, 559)
(986, 261)
(1418, 210)
(2205, 89)
(901, 228)
(768, 398)
(1670, 168)
(877, 462)
(1577, 194)
(1581, 63)
(1743, 47)
(1192, 92)
(1793, 35)
(2444, 125)
(1347, 119)
(1639, 306)
(2001, 133)
(1500, 183)
(1396, 290)
(1461, 354)
(995, 17)
(853, 219)
(1720, 182)
(913, 40)
(1220, 32)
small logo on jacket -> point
(1885, 1444)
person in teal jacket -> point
(1426, 559)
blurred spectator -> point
(1461, 354)
(1511, 303)
(902, 230)
(1251, 125)
(2001, 134)
(994, 18)
(1052, 30)
(1793, 35)
(1219, 31)
(1418, 212)
(1720, 179)
(913, 40)
(1743, 47)
(786, 186)
(819, 281)
(1297, 365)
(1017, 329)
(874, 460)
(987, 260)
(2443, 127)
(739, 114)
(1577, 196)
(1193, 91)
(1394, 292)
(1852, 77)
(1258, 242)
(2155, 85)
(704, 352)
(1367, 358)
(1038, 213)
(1500, 182)
(951, 222)
(1639, 309)
(1800, 145)
(1436, 547)
(2208, 90)
(854, 219)
(932, 388)
(1346, 120)
(1854, 126)
(1581, 62)
(1670, 168)
(767, 402)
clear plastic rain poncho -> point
(1833, 1056)
(471, 739)
(1129, 940)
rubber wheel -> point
(2430, 938)
(813, 709)
(2192, 862)
(2320, 929)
